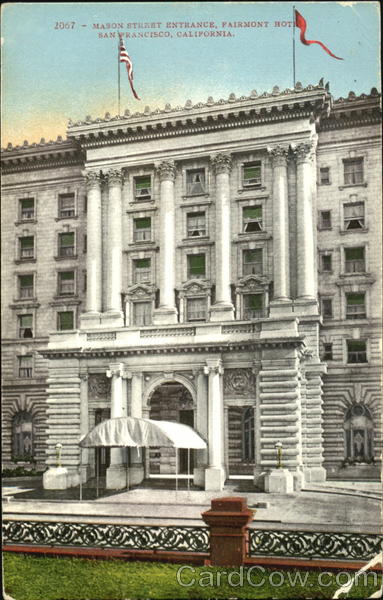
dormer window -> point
(143, 187)
(252, 174)
(195, 182)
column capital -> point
(278, 155)
(221, 163)
(166, 170)
(212, 366)
(93, 179)
(114, 177)
(118, 370)
(303, 152)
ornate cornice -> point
(31, 157)
(167, 170)
(221, 163)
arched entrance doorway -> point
(171, 401)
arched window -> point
(358, 426)
(248, 452)
(22, 436)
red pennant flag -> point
(300, 22)
(124, 57)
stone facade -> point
(213, 264)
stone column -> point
(116, 473)
(94, 252)
(136, 471)
(201, 425)
(84, 425)
(167, 312)
(306, 275)
(114, 315)
(223, 309)
(281, 258)
(215, 473)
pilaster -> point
(167, 312)
(222, 309)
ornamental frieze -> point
(239, 382)
(98, 386)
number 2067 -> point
(64, 25)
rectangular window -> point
(25, 326)
(66, 206)
(142, 229)
(326, 263)
(327, 351)
(353, 171)
(25, 286)
(325, 219)
(252, 219)
(27, 209)
(143, 187)
(196, 224)
(195, 182)
(324, 173)
(356, 306)
(252, 262)
(27, 247)
(142, 270)
(65, 320)
(196, 309)
(327, 308)
(355, 260)
(252, 174)
(196, 266)
(252, 306)
(354, 215)
(66, 244)
(66, 283)
(142, 313)
(356, 351)
(25, 366)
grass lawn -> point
(50, 578)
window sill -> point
(357, 230)
(351, 185)
(324, 228)
(21, 261)
(252, 188)
(21, 301)
(201, 195)
(26, 221)
(65, 296)
(71, 257)
(25, 304)
(324, 184)
(66, 218)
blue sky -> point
(51, 75)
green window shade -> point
(254, 301)
(356, 346)
(354, 299)
(252, 172)
(354, 253)
(252, 256)
(197, 264)
(26, 321)
(66, 320)
(142, 263)
(67, 239)
(28, 202)
(142, 182)
(67, 276)
(252, 212)
(144, 223)
(26, 281)
(26, 242)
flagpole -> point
(294, 45)
(119, 83)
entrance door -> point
(102, 455)
(186, 417)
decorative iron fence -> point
(314, 544)
(129, 537)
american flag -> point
(125, 58)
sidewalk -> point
(334, 506)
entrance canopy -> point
(134, 432)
